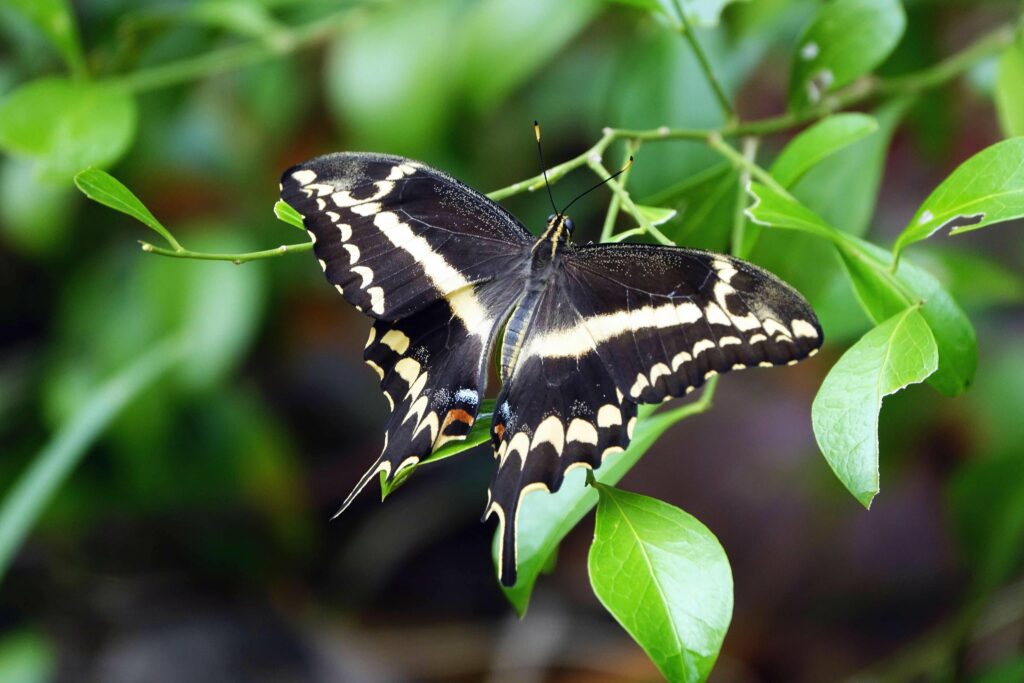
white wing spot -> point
(304, 177)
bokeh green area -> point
(192, 542)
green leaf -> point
(105, 189)
(883, 294)
(846, 39)
(770, 208)
(544, 520)
(975, 280)
(67, 125)
(821, 140)
(843, 188)
(706, 203)
(1010, 89)
(286, 213)
(698, 12)
(987, 188)
(899, 352)
(492, 34)
(1011, 671)
(656, 215)
(54, 18)
(53, 464)
(26, 657)
(664, 576)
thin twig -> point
(237, 259)
(739, 222)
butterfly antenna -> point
(543, 166)
(613, 176)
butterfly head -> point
(560, 227)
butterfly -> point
(588, 332)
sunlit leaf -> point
(286, 213)
(546, 518)
(664, 576)
(899, 352)
(656, 215)
(821, 140)
(1010, 89)
(100, 186)
(846, 39)
(987, 188)
(26, 657)
(771, 208)
(67, 125)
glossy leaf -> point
(987, 188)
(54, 18)
(546, 518)
(67, 125)
(664, 576)
(706, 204)
(101, 187)
(771, 208)
(656, 215)
(1010, 89)
(846, 39)
(899, 352)
(821, 140)
(286, 213)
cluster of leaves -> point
(658, 570)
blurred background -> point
(192, 542)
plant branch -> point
(237, 259)
(687, 32)
(244, 54)
(627, 202)
(745, 164)
(616, 203)
(739, 221)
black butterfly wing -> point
(393, 235)
(438, 266)
(622, 325)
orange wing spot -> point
(456, 415)
(499, 429)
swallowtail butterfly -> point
(590, 331)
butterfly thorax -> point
(547, 252)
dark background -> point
(193, 542)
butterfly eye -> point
(552, 217)
(569, 225)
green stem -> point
(616, 203)
(687, 31)
(739, 219)
(235, 57)
(741, 162)
(51, 466)
(237, 259)
(627, 203)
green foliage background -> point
(176, 431)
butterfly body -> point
(589, 331)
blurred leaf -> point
(977, 281)
(67, 125)
(846, 39)
(987, 188)
(286, 213)
(26, 657)
(1011, 671)
(35, 216)
(54, 18)
(656, 215)
(50, 467)
(987, 497)
(706, 203)
(899, 352)
(390, 83)
(1009, 92)
(698, 12)
(107, 190)
(843, 188)
(243, 17)
(544, 520)
(493, 33)
(821, 140)
(664, 576)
